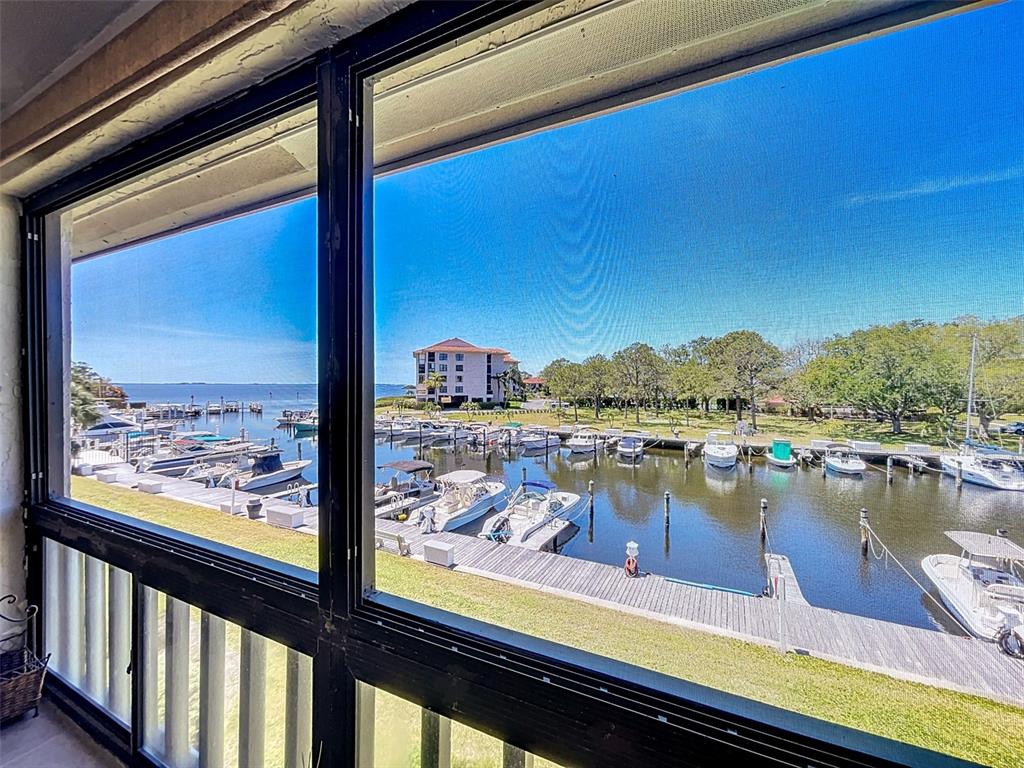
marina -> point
(763, 544)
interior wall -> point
(12, 531)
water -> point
(260, 428)
(713, 534)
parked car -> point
(1013, 428)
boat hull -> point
(844, 468)
(941, 570)
(720, 458)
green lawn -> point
(966, 726)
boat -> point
(531, 508)
(982, 587)
(110, 424)
(207, 474)
(983, 465)
(583, 440)
(781, 455)
(190, 448)
(630, 447)
(1002, 472)
(410, 484)
(308, 424)
(719, 450)
(539, 440)
(466, 495)
(841, 459)
(264, 468)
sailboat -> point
(977, 464)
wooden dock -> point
(908, 653)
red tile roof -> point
(534, 380)
(456, 344)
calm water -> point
(713, 534)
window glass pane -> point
(190, 384)
(405, 734)
(217, 694)
(699, 331)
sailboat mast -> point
(970, 386)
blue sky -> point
(878, 182)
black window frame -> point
(562, 703)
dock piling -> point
(298, 445)
(667, 498)
(864, 532)
(524, 474)
(764, 519)
(959, 476)
(888, 469)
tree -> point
(433, 382)
(511, 382)
(800, 383)
(596, 372)
(84, 411)
(640, 372)
(564, 379)
(748, 366)
(884, 369)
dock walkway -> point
(909, 653)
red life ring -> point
(632, 568)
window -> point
(603, 252)
(459, 356)
(442, 356)
(458, 378)
(191, 398)
(735, 272)
(443, 367)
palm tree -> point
(510, 381)
(434, 381)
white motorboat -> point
(781, 455)
(719, 450)
(110, 424)
(189, 448)
(982, 586)
(408, 487)
(265, 468)
(207, 474)
(539, 440)
(839, 458)
(533, 506)
(583, 440)
(466, 495)
(1002, 472)
(630, 447)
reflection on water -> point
(713, 535)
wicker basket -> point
(21, 672)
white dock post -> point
(764, 518)
(888, 469)
(96, 630)
(252, 699)
(298, 715)
(211, 691)
(119, 610)
(177, 744)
